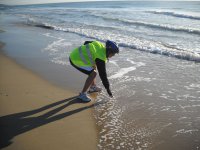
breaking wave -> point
(100, 33)
(174, 14)
(153, 25)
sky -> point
(24, 2)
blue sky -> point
(23, 2)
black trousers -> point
(80, 69)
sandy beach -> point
(36, 115)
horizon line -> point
(5, 2)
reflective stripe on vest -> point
(88, 53)
(81, 55)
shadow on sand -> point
(19, 123)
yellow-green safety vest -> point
(85, 55)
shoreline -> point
(35, 114)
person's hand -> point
(109, 93)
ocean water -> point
(156, 77)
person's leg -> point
(89, 81)
(94, 82)
(94, 87)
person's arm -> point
(101, 66)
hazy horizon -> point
(25, 2)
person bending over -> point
(87, 58)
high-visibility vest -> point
(85, 55)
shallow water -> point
(156, 104)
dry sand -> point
(35, 115)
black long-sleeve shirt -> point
(101, 66)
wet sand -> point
(35, 114)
